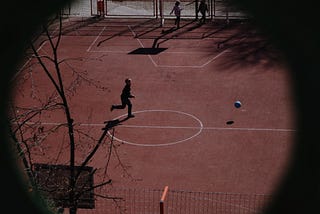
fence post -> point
(196, 9)
(163, 197)
(161, 13)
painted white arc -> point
(199, 129)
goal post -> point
(163, 198)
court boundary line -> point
(180, 66)
(172, 127)
(151, 58)
(200, 129)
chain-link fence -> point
(139, 201)
(150, 8)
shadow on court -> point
(175, 33)
(248, 45)
(113, 123)
(148, 51)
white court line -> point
(196, 129)
(150, 57)
(174, 127)
(211, 128)
(193, 66)
(141, 44)
(177, 66)
(199, 129)
(132, 31)
(27, 62)
(115, 52)
(94, 41)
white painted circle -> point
(199, 129)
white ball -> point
(237, 104)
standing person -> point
(177, 12)
(125, 98)
(203, 9)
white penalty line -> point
(175, 127)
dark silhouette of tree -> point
(28, 131)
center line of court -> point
(174, 127)
(210, 128)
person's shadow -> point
(112, 123)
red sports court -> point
(186, 82)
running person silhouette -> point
(125, 98)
